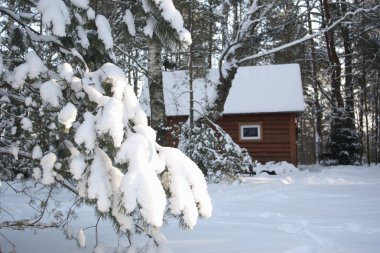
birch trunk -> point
(156, 91)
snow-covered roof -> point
(255, 89)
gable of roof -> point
(255, 89)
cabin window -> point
(250, 131)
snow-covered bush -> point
(218, 156)
(72, 122)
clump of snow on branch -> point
(37, 152)
(37, 174)
(86, 133)
(149, 27)
(116, 76)
(32, 68)
(80, 3)
(54, 14)
(26, 124)
(66, 71)
(35, 65)
(104, 31)
(67, 115)
(174, 17)
(99, 187)
(90, 14)
(77, 163)
(51, 92)
(94, 94)
(81, 239)
(15, 149)
(47, 164)
(140, 185)
(82, 35)
(110, 121)
(188, 188)
(130, 21)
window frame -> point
(258, 125)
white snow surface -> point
(317, 210)
(255, 89)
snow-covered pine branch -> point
(70, 124)
(164, 18)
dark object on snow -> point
(327, 159)
(251, 172)
(169, 65)
(269, 172)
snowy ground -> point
(317, 210)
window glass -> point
(250, 132)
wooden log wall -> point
(278, 142)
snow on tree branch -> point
(55, 15)
(68, 124)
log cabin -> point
(260, 111)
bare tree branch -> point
(308, 37)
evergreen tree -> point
(70, 119)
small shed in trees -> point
(259, 113)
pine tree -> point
(70, 119)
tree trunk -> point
(317, 105)
(377, 108)
(366, 124)
(156, 91)
(214, 111)
(210, 37)
(349, 86)
(362, 84)
(343, 143)
(191, 57)
(337, 98)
